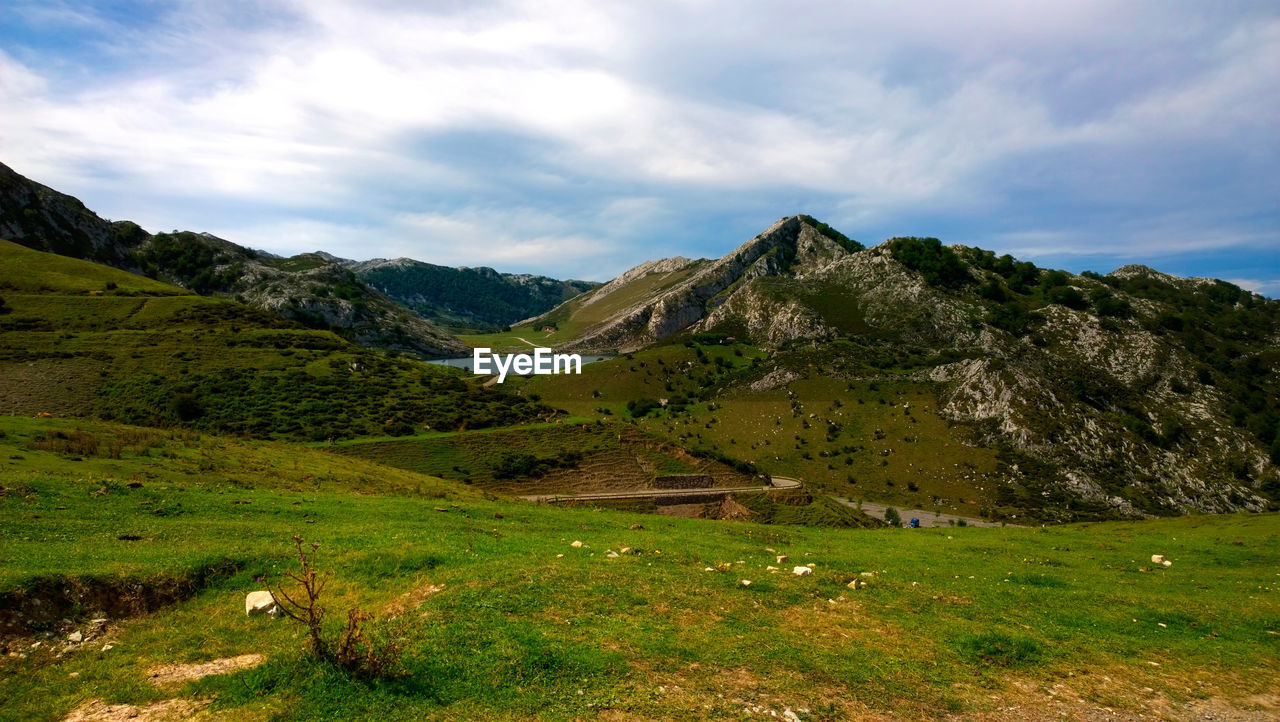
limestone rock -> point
(802, 571)
(259, 603)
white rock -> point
(576, 544)
(802, 571)
(612, 555)
(857, 583)
(746, 582)
(783, 558)
(1167, 563)
(75, 637)
(1157, 559)
(258, 603)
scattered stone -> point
(576, 544)
(802, 571)
(1157, 559)
(708, 569)
(258, 603)
(75, 637)
(612, 555)
(771, 569)
(857, 583)
(746, 582)
(1167, 563)
(74, 674)
(441, 508)
(636, 527)
(783, 558)
(107, 647)
(624, 550)
(497, 515)
(559, 556)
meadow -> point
(502, 618)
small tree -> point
(352, 650)
(891, 516)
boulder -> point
(1157, 559)
(783, 558)
(259, 603)
(802, 571)
(576, 544)
(857, 583)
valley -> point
(704, 523)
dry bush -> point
(353, 649)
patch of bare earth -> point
(411, 600)
(95, 710)
(166, 675)
(1106, 697)
(62, 387)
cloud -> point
(584, 136)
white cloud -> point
(628, 114)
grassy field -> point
(498, 625)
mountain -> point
(315, 292)
(87, 340)
(658, 299)
(1132, 393)
(471, 298)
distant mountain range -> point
(398, 304)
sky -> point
(578, 139)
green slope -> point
(496, 624)
(83, 339)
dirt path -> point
(927, 518)
(522, 338)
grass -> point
(952, 621)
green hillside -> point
(495, 623)
(83, 339)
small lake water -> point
(467, 362)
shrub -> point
(938, 264)
(891, 516)
(352, 649)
